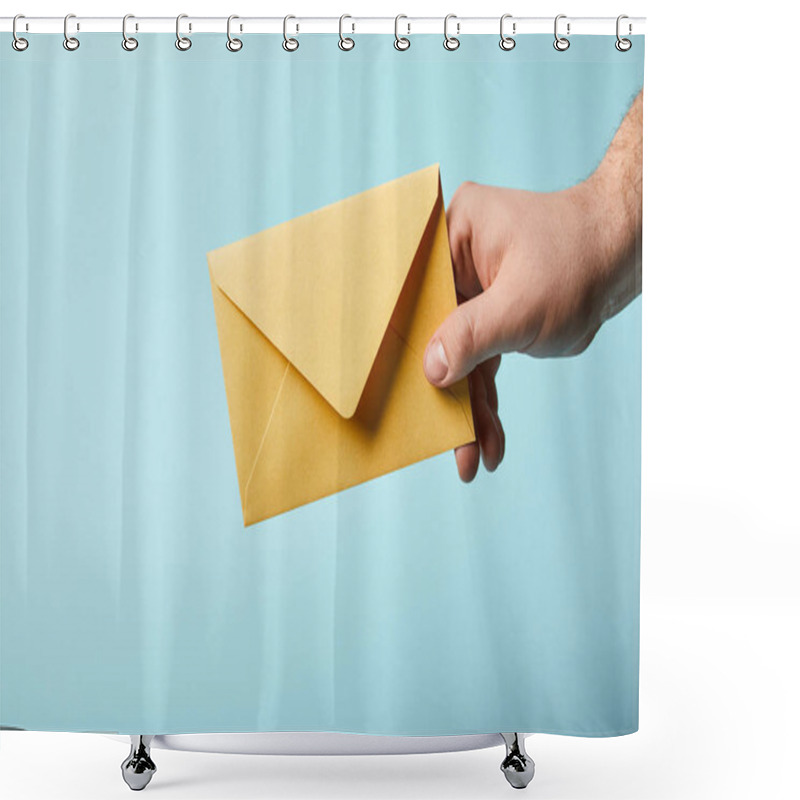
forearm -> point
(619, 176)
(614, 192)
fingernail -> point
(436, 365)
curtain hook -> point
(451, 42)
(70, 42)
(128, 42)
(623, 45)
(507, 42)
(345, 42)
(289, 44)
(18, 43)
(181, 42)
(400, 42)
(233, 44)
(561, 43)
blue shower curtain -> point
(133, 598)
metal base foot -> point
(517, 766)
(138, 768)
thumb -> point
(470, 335)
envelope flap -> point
(322, 287)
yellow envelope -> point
(322, 324)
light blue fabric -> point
(133, 600)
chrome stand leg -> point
(138, 768)
(517, 766)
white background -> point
(720, 597)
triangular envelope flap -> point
(322, 287)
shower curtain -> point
(201, 247)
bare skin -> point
(536, 273)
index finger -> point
(459, 232)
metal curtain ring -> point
(128, 42)
(561, 43)
(70, 42)
(345, 42)
(18, 43)
(289, 44)
(507, 42)
(233, 44)
(400, 42)
(451, 42)
(623, 45)
(181, 42)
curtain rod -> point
(299, 25)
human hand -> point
(536, 273)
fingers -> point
(490, 441)
(469, 340)
(473, 333)
(489, 369)
(494, 437)
(459, 230)
(492, 366)
(468, 458)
